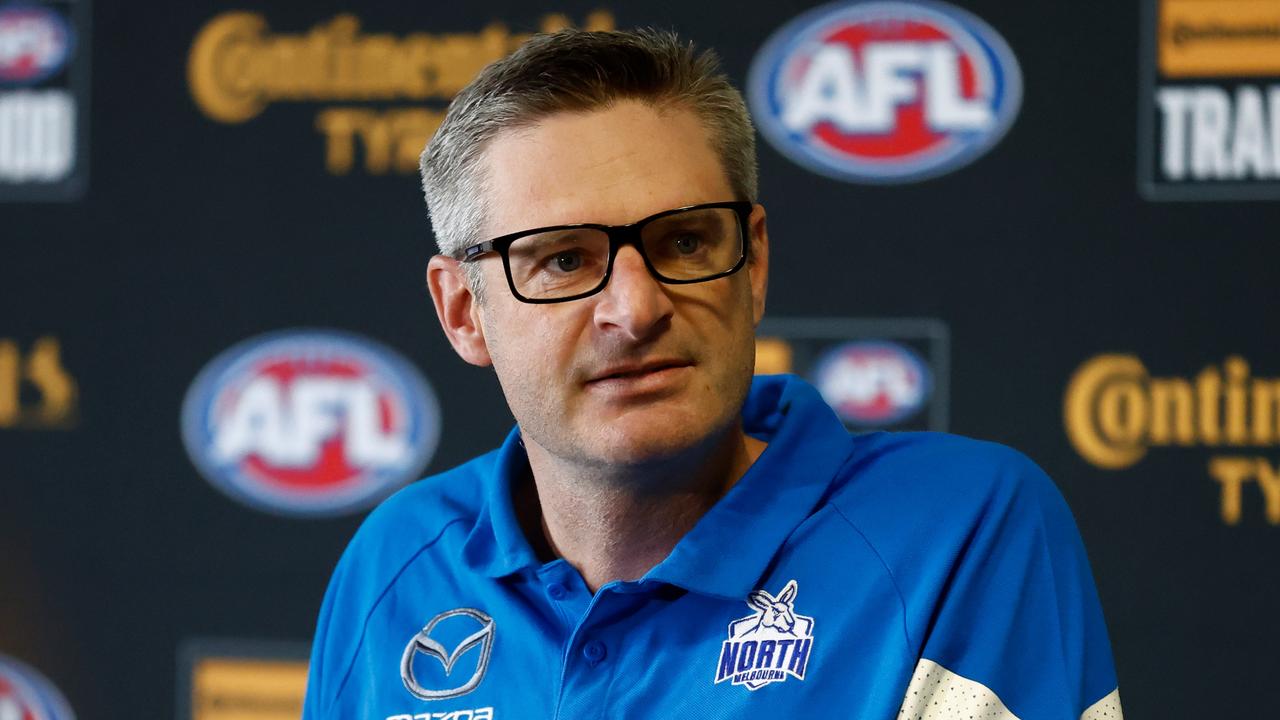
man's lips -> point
(630, 371)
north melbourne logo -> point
(769, 646)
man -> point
(661, 535)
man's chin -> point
(642, 438)
(632, 452)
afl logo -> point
(34, 44)
(310, 422)
(873, 383)
(26, 695)
(884, 92)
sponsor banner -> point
(27, 695)
(310, 422)
(1210, 103)
(1116, 413)
(44, 99)
(378, 97)
(242, 680)
(36, 390)
(876, 374)
(884, 92)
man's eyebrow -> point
(553, 235)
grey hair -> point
(575, 71)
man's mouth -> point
(635, 371)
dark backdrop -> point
(192, 234)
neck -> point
(616, 523)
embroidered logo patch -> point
(479, 628)
(770, 645)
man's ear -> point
(458, 309)
(758, 260)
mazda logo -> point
(425, 644)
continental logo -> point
(1219, 38)
(238, 67)
(36, 391)
(1115, 413)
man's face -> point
(641, 370)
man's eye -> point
(687, 244)
(568, 261)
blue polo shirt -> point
(884, 575)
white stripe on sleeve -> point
(1108, 708)
(936, 693)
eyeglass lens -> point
(689, 245)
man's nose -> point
(634, 302)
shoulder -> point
(419, 514)
(435, 514)
(924, 472)
(397, 532)
(991, 572)
(916, 494)
(936, 453)
(431, 516)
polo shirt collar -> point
(728, 550)
(497, 546)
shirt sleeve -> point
(1015, 630)
(319, 672)
(339, 631)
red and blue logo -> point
(310, 423)
(873, 383)
(35, 43)
(884, 92)
(26, 695)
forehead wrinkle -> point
(598, 180)
(601, 170)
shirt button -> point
(594, 652)
(557, 591)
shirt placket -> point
(592, 650)
(566, 592)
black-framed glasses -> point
(691, 244)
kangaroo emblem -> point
(769, 646)
(775, 612)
